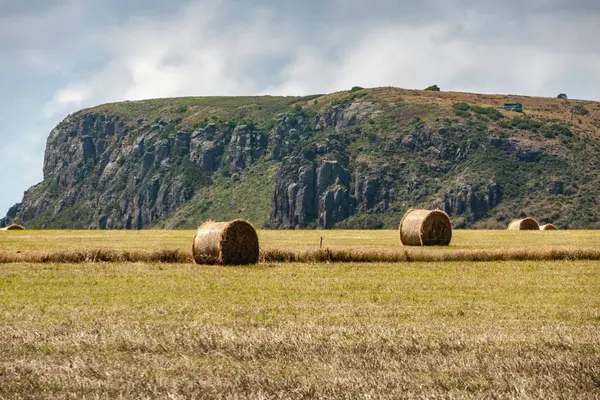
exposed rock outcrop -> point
(246, 146)
(344, 116)
(289, 134)
(473, 203)
(130, 176)
(307, 193)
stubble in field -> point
(378, 330)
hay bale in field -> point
(425, 228)
(226, 243)
(524, 224)
(13, 227)
(548, 227)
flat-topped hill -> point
(357, 158)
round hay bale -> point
(524, 224)
(548, 227)
(13, 227)
(425, 228)
(226, 243)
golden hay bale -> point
(524, 224)
(13, 227)
(548, 227)
(425, 228)
(226, 243)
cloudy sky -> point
(58, 56)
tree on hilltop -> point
(433, 88)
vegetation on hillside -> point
(242, 195)
(459, 151)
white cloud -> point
(86, 53)
(194, 55)
(200, 51)
(67, 96)
(66, 99)
(406, 57)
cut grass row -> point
(298, 246)
(320, 255)
(295, 240)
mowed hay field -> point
(34, 245)
(505, 329)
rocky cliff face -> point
(307, 192)
(345, 160)
(471, 202)
(128, 177)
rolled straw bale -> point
(226, 243)
(13, 227)
(425, 228)
(548, 227)
(524, 224)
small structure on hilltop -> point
(524, 224)
(425, 228)
(516, 107)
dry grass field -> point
(300, 240)
(342, 245)
(505, 329)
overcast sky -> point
(58, 56)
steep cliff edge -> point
(349, 159)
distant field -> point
(300, 330)
(298, 240)
(384, 245)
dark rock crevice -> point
(472, 202)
